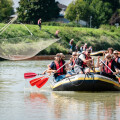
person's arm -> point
(51, 68)
(82, 57)
(98, 62)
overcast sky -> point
(65, 2)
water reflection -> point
(77, 105)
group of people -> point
(76, 48)
(110, 66)
(82, 63)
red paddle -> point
(39, 84)
(30, 75)
(41, 81)
(34, 81)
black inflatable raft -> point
(82, 82)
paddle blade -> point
(29, 75)
(42, 82)
(34, 81)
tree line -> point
(29, 11)
(6, 9)
(100, 11)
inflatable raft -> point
(82, 82)
(98, 53)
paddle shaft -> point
(62, 66)
(108, 67)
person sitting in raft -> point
(84, 63)
(48, 66)
(72, 61)
(85, 47)
(62, 56)
(111, 64)
(110, 51)
(81, 48)
(90, 48)
(56, 64)
(117, 59)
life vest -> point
(58, 65)
(107, 70)
(116, 60)
(81, 63)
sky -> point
(65, 2)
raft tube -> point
(82, 82)
(98, 53)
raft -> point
(98, 53)
(82, 82)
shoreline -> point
(37, 57)
(46, 57)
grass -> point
(102, 38)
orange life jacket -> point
(107, 70)
(58, 65)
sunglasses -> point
(89, 52)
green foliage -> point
(6, 9)
(101, 12)
(30, 12)
(115, 4)
(77, 10)
(102, 38)
(70, 24)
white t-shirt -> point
(82, 57)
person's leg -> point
(78, 69)
(60, 77)
(40, 27)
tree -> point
(77, 10)
(101, 12)
(29, 11)
(6, 9)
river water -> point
(20, 101)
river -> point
(20, 101)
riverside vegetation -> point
(102, 38)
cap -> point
(62, 55)
(115, 51)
